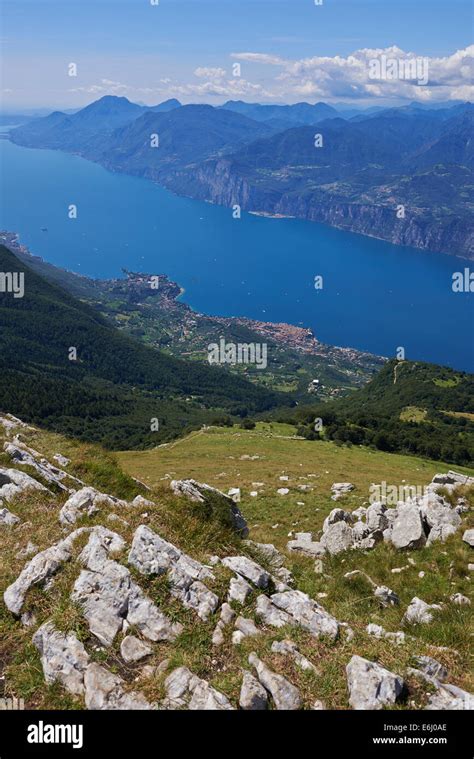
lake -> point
(375, 296)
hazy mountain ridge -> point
(364, 171)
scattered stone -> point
(63, 657)
(28, 550)
(449, 697)
(235, 494)
(378, 632)
(431, 667)
(133, 649)
(6, 517)
(140, 502)
(152, 555)
(318, 706)
(340, 489)
(268, 552)
(419, 612)
(386, 596)
(62, 460)
(338, 537)
(39, 569)
(304, 544)
(249, 569)
(85, 502)
(270, 614)
(246, 627)
(283, 491)
(108, 595)
(371, 686)
(407, 529)
(289, 648)
(186, 690)
(376, 518)
(253, 696)
(104, 691)
(460, 600)
(306, 613)
(239, 590)
(337, 515)
(468, 537)
(14, 483)
(211, 501)
(285, 695)
(227, 616)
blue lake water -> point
(376, 296)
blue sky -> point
(288, 50)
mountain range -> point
(356, 175)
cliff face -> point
(221, 183)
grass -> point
(228, 457)
(413, 414)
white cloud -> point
(351, 77)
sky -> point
(287, 50)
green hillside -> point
(116, 386)
(410, 407)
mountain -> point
(365, 168)
(115, 386)
(408, 407)
(167, 105)
(297, 114)
(73, 131)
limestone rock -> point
(186, 690)
(7, 518)
(378, 632)
(40, 568)
(407, 530)
(460, 600)
(307, 613)
(431, 667)
(63, 657)
(340, 488)
(337, 538)
(239, 590)
(246, 627)
(386, 596)
(289, 648)
(210, 498)
(142, 503)
(249, 569)
(306, 547)
(253, 696)
(270, 614)
(468, 537)
(371, 686)
(419, 612)
(14, 483)
(104, 691)
(152, 555)
(285, 695)
(449, 697)
(85, 502)
(133, 649)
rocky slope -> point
(161, 601)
